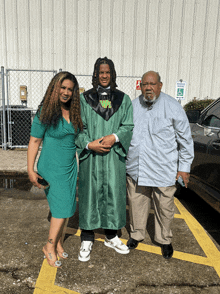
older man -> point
(161, 150)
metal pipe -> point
(4, 143)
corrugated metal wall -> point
(178, 38)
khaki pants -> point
(140, 198)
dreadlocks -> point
(49, 110)
(95, 77)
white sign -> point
(180, 90)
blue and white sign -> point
(180, 90)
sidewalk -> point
(13, 161)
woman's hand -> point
(33, 178)
(33, 146)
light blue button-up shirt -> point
(161, 144)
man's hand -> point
(185, 177)
(108, 140)
(98, 147)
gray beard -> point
(149, 100)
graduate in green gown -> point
(102, 147)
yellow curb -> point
(209, 248)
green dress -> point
(102, 177)
(57, 165)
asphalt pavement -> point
(24, 214)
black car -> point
(205, 169)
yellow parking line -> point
(46, 280)
(78, 233)
(178, 216)
(47, 275)
(209, 248)
(178, 255)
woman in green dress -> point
(56, 123)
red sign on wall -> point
(138, 86)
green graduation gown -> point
(102, 177)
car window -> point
(214, 110)
(211, 121)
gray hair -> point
(151, 71)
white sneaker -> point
(85, 250)
(116, 244)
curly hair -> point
(95, 77)
(49, 110)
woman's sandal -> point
(63, 254)
(57, 263)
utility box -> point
(19, 125)
(23, 93)
(81, 90)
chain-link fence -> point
(24, 91)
